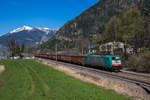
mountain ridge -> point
(28, 28)
(28, 36)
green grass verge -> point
(30, 80)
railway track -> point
(137, 74)
(124, 76)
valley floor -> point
(30, 80)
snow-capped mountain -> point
(28, 28)
(46, 30)
(28, 35)
(21, 29)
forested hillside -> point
(91, 22)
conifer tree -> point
(111, 30)
(131, 28)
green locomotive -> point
(108, 62)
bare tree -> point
(83, 44)
(12, 46)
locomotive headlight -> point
(113, 61)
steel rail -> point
(136, 74)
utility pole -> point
(115, 35)
(56, 54)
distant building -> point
(92, 49)
(110, 46)
(3, 57)
(27, 56)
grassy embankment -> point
(29, 80)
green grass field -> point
(30, 80)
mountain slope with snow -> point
(28, 36)
(21, 29)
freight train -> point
(107, 62)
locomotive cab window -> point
(115, 58)
(107, 59)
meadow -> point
(30, 80)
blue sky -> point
(39, 13)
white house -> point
(110, 46)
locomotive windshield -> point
(115, 58)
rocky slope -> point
(90, 22)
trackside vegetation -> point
(30, 80)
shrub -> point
(140, 62)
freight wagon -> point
(107, 62)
